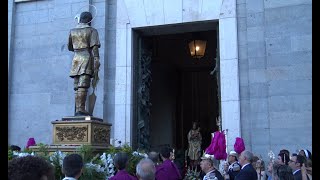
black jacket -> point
(247, 173)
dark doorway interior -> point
(182, 90)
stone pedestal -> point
(78, 130)
(73, 131)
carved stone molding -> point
(78, 132)
(101, 134)
(71, 133)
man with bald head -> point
(145, 169)
(247, 171)
(208, 165)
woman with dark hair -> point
(308, 166)
(306, 153)
(283, 158)
(260, 168)
(285, 151)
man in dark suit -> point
(295, 163)
(247, 171)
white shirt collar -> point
(296, 171)
(245, 165)
(210, 172)
(69, 178)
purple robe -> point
(123, 175)
(167, 171)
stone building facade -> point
(265, 65)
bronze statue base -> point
(78, 130)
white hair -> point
(145, 169)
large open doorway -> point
(171, 88)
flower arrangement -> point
(192, 174)
(98, 167)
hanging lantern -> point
(197, 48)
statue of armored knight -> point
(84, 42)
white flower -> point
(15, 153)
(143, 155)
(135, 153)
(104, 159)
(96, 167)
(58, 155)
(111, 172)
(271, 155)
(22, 154)
(109, 159)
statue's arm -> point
(70, 45)
(96, 57)
(189, 136)
(95, 44)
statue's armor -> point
(84, 41)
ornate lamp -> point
(197, 48)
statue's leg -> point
(81, 102)
(75, 88)
(83, 85)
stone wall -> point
(274, 42)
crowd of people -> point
(285, 166)
(162, 166)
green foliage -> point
(10, 154)
(133, 161)
(56, 160)
(134, 158)
(27, 150)
(43, 150)
(86, 152)
(91, 173)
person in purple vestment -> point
(121, 161)
(167, 170)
